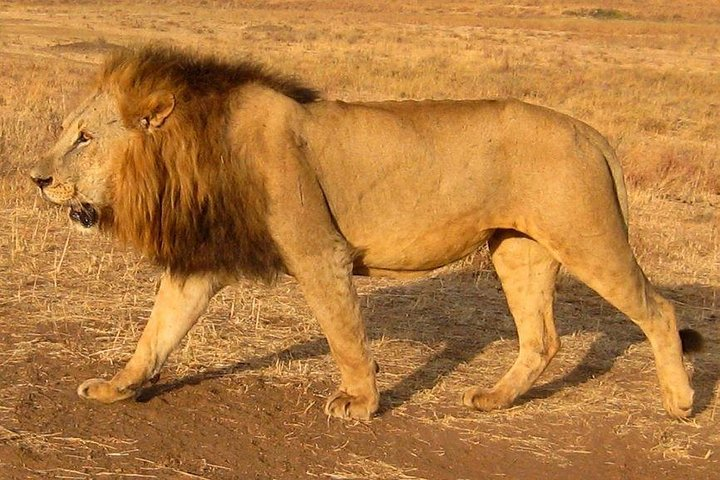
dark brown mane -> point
(194, 75)
(180, 193)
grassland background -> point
(643, 73)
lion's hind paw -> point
(485, 400)
(103, 391)
(678, 403)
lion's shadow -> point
(394, 314)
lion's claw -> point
(344, 405)
(103, 391)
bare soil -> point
(595, 414)
(201, 430)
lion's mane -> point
(178, 193)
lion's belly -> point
(410, 250)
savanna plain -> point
(243, 395)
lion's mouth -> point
(84, 214)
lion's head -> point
(74, 172)
(147, 158)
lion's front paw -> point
(344, 405)
(103, 391)
(485, 400)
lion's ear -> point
(160, 106)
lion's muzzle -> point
(65, 194)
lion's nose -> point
(41, 181)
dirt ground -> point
(243, 396)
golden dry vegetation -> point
(71, 306)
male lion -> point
(218, 170)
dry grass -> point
(644, 75)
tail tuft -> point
(691, 340)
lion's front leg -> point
(178, 305)
(334, 302)
(325, 278)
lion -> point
(219, 170)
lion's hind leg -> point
(610, 269)
(527, 272)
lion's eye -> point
(83, 137)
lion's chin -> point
(84, 214)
